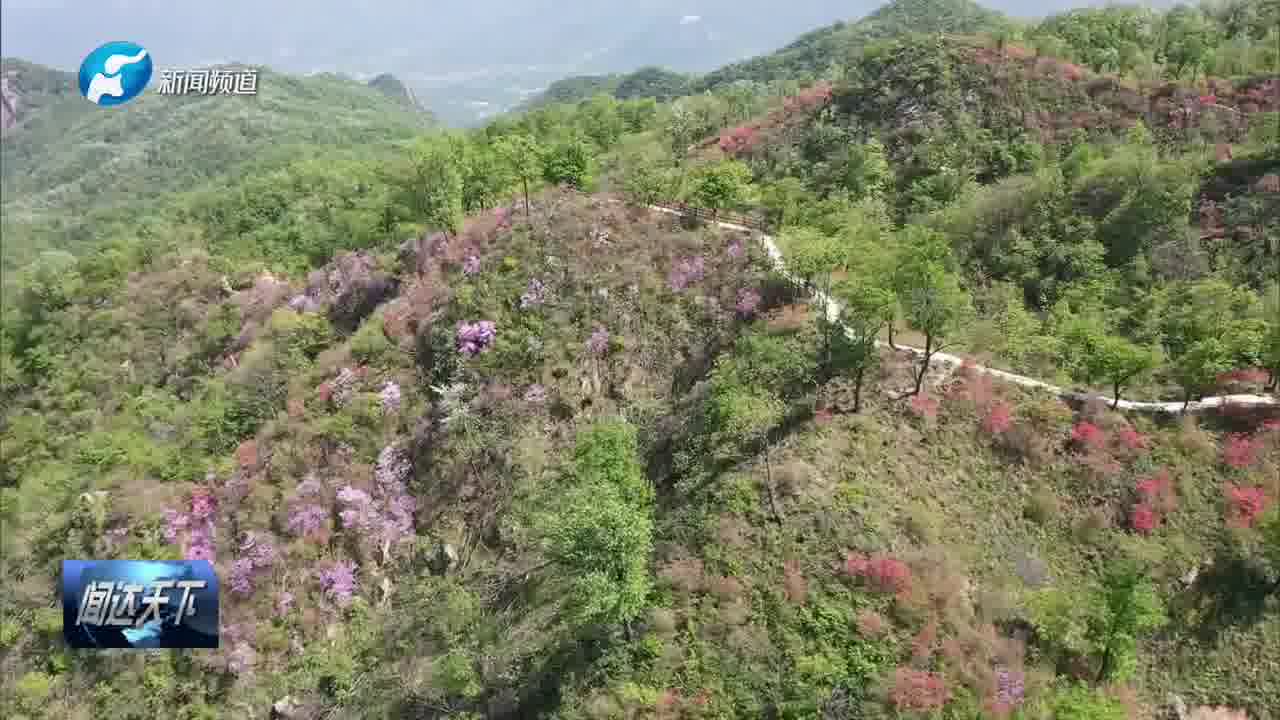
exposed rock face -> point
(352, 288)
(10, 103)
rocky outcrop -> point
(350, 287)
(10, 103)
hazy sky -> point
(476, 56)
(376, 35)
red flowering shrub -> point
(999, 418)
(1144, 518)
(1157, 492)
(1240, 451)
(1244, 505)
(918, 690)
(923, 406)
(881, 572)
(739, 140)
(1088, 436)
(809, 99)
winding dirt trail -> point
(953, 361)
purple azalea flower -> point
(598, 343)
(748, 301)
(475, 338)
(339, 582)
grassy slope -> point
(985, 521)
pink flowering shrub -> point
(195, 528)
(748, 301)
(475, 338)
(918, 690)
(598, 343)
(256, 554)
(739, 140)
(1244, 504)
(535, 394)
(687, 272)
(1010, 691)
(535, 294)
(390, 397)
(923, 406)
(308, 512)
(338, 582)
(1240, 451)
(999, 418)
(809, 99)
(384, 517)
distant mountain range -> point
(465, 61)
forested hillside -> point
(471, 430)
(71, 171)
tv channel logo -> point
(139, 604)
(115, 73)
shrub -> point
(1244, 504)
(370, 346)
(1144, 518)
(999, 418)
(881, 572)
(923, 407)
(918, 690)
(1240, 451)
(1088, 436)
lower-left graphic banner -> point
(139, 604)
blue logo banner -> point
(139, 604)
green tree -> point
(722, 186)
(930, 295)
(785, 201)
(568, 162)
(647, 178)
(601, 531)
(814, 256)
(1119, 362)
(523, 156)
(865, 310)
(1198, 368)
(601, 120)
(744, 416)
(866, 172)
(485, 177)
(436, 184)
(1125, 606)
(1103, 623)
(1188, 38)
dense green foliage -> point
(613, 465)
